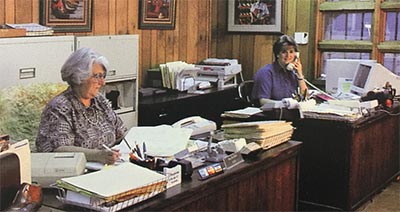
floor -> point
(386, 201)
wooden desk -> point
(344, 163)
(173, 106)
(266, 184)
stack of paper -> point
(266, 133)
(242, 113)
(178, 75)
(33, 29)
(97, 191)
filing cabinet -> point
(29, 60)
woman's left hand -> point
(299, 67)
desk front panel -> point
(268, 183)
(344, 164)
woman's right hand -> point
(103, 156)
(107, 156)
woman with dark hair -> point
(284, 77)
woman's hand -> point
(103, 156)
(299, 67)
(108, 157)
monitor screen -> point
(373, 76)
(361, 76)
(339, 71)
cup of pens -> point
(149, 162)
(139, 156)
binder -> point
(97, 191)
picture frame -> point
(67, 15)
(255, 16)
(157, 14)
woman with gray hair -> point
(80, 119)
(283, 78)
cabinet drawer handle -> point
(162, 115)
(26, 73)
(112, 72)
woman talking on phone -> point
(284, 77)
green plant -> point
(21, 108)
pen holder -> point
(149, 163)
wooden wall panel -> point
(2, 14)
(200, 31)
(254, 50)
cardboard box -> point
(7, 32)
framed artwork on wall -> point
(157, 14)
(255, 16)
(66, 15)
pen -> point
(109, 149)
(144, 151)
(138, 150)
(126, 142)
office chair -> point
(244, 89)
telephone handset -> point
(290, 66)
(198, 124)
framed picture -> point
(157, 14)
(255, 16)
(66, 15)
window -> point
(352, 29)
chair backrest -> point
(244, 89)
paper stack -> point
(266, 133)
(242, 113)
(97, 191)
(178, 75)
(33, 29)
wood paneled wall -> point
(200, 31)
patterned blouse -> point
(66, 121)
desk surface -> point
(273, 175)
(174, 95)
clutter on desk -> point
(179, 75)
(92, 190)
(221, 71)
(266, 133)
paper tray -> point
(96, 203)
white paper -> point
(162, 140)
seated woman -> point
(284, 77)
(80, 119)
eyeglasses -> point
(99, 76)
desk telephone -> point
(198, 124)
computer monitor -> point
(340, 68)
(371, 76)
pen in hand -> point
(109, 149)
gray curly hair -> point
(78, 67)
